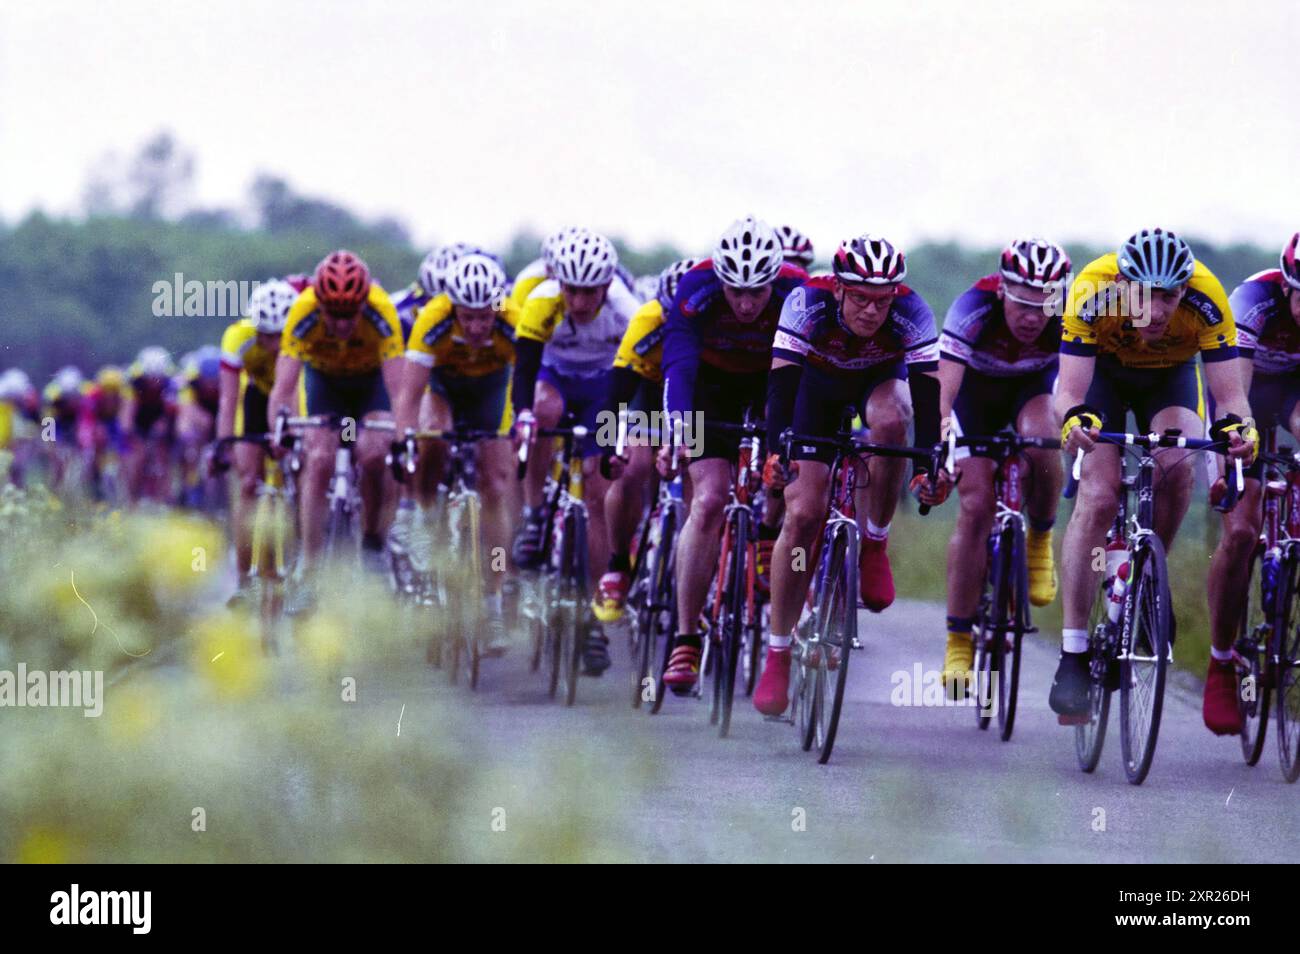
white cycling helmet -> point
(68, 378)
(555, 240)
(476, 281)
(749, 254)
(153, 362)
(585, 260)
(269, 304)
(437, 265)
(14, 383)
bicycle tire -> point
(1149, 626)
(647, 612)
(990, 633)
(843, 620)
(737, 592)
(1286, 668)
(1016, 612)
(1254, 713)
(1090, 738)
(666, 620)
(470, 514)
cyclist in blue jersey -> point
(857, 340)
(717, 350)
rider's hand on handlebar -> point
(777, 475)
(1081, 429)
(524, 421)
(664, 459)
(932, 494)
(1241, 435)
(612, 465)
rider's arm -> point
(228, 401)
(681, 360)
(782, 389)
(951, 374)
(1072, 382)
(528, 359)
(406, 395)
(283, 395)
(391, 371)
(1224, 380)
(925, 410)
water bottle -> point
(1117, 570)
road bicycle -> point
(1130, 630)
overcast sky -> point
(653, 120)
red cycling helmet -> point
(342, 281)
(1290, 262)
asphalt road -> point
(905, 783)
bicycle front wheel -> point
(839, 627)
(733, 612)
(1090, 736)
(1254, 636)
(1286, 669)
(1143, 667)
(1016, 613)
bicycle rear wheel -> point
(1091, 736)
(1254, 638)
(839, 627)
(990, 631)
(1286, 669)
(1143, 667)
(647, 621)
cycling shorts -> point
(584, 398)
(987, 404)
(351, 395)
(477, 403)
(724, 396)
(824, 399)
(1116, 390)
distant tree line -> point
(80, 290)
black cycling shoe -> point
(1072, 685)
(527, 548)
(595, 652)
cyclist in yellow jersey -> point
(540, 269)
(249, 349)
(1133, 326)
(637, 385)
(462, 347)
(342, 336)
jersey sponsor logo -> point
(304, 327)
(378, 321)
(649, 342)
(439, 331)
(1203, 306)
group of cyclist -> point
(746, 334)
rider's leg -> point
(1046, 476)
(249, 461)
(375, 481)
(888, 414)
(548, 408)
(967, 559)
(434, 415)
(1174, 472)
(318, 466)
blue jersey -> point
(976, 334)
(812, 333)
(1266, 331)
(408, 304)
(701, 327)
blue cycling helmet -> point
(1157, 257)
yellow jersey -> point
(581, 350)
(437, 340)
(376, 338)
(1095, 321)
(241, 352)
(642, 347)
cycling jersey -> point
(812, 333)
(408, 303)
(571, 349)
(376, 337)
(241, 352)
(532, 275)
(437, 341)
(1266, 331)
(642, 347)
(975, 333)
(700, 328)
(1095, 323)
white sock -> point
(779, 643)
(877, 533)
(1074, 640)
(1222, 655)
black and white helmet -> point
(269, 304)
(749, 254)
(584, 259)
(797, 247)
(476, 281)
(437, 265)
(869, 260)
(669, 278)
(1036, 263)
